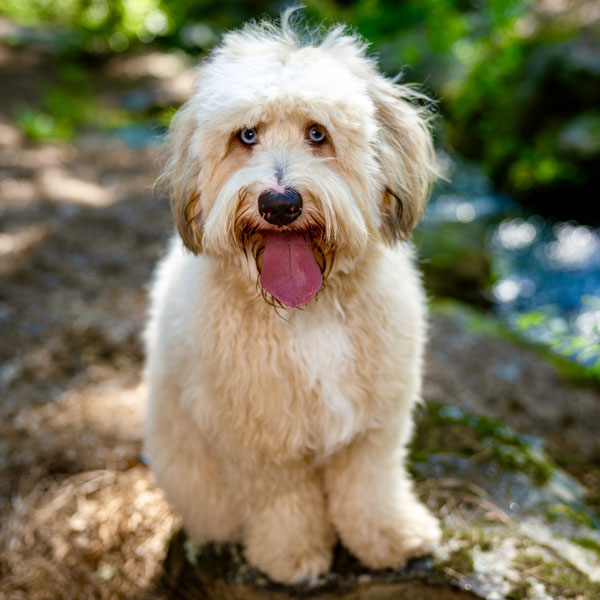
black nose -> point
(280, 209)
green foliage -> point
(100, 24)
(518, 109)
(165, 115)
(585, 349)
(66, 105)
(39, 125)
(416, 28)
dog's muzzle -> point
(289, 270)
(280, 209)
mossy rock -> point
(514, 528)
(220, 572)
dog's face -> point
(289, 161)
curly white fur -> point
(285, 428)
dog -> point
(287, 322)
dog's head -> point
(296, 158)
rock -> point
(479, 365)
(220, 572)
(515, 527)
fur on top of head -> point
(323, 122)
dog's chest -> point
(292, 386)
(324, 354)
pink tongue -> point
(289, 271)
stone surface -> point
(220, 572)
(476, 364)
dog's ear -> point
(181, 176)
(406, 156)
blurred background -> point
(510, 246)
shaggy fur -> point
(285, 428)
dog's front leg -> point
(286, 532)
(372, 505)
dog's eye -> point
(315, 135)
(248, 136)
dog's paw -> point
(393, 541)
(292, 566)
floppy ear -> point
(406, 156)
(181, 176)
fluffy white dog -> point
(296, 173)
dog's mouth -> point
(292, 263)
(289, 270)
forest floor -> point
(80, 516)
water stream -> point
(545, 275)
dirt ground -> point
(81, 230)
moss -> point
(560, 578)
(475, 538)
(448, 534)
(578, 517)
(459, 561)
(444, 429)
(520, 591)
(588, 544)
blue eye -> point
(248, 136)
(315, 135)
